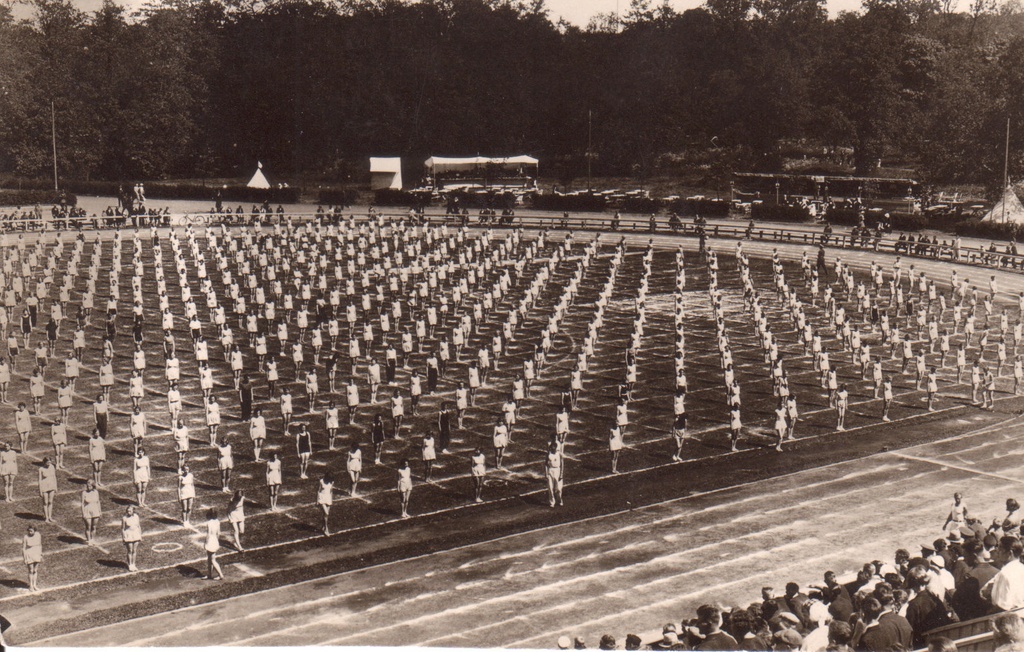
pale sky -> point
(577, 12)
(580, 11)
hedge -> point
(908, 221)
(564, 203)
(26, 198)
(779, 213)
(335, 197)
(641, 205)
(387, 197)
(989, 230)
(702, 207)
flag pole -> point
(53, 134)
(1006, 168)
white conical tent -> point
(258, 180)
(1008, 209)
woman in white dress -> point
(429, 455)
(354, 466)
(478, 470)
(131, 535)
(615, 446)
(225, 462)
(90, 510)
(274, 479)
(186, 493)
(236, 516)
(141, 475)
(404, 486)
(212, 545)
(324, 500)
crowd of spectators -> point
(974, 571)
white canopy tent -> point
(385, 173)
(258, 180)
(1007, 210)
(441, 164)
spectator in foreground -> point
(1008, 633)
(709, 624)
(1006, 590)
(839, 635)
(971, 575)
(941, 644)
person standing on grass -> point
(213, 570)
(131, 535)
(32, 552)
(429, 454)
(990, 390)
(554, 468)
(8, 470)
(23, 424)
(225, 462)
(47, 487)
(478, 470)
(933, 388)
(304, 449)
(324, 500)
(615, 447)
(404, 486)
(186, 493)
(273, 475)
(236, 516)
(90, 510)
(500, 440)
(354, 466)
(842, 405)
(735, 426)
(780, 423)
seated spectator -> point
(633, 642)
(607, 642)
(1006, 589)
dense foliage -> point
(192, 88)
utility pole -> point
(590, 145)
(1006, 169)
(53, 134)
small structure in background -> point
(385, 173)
(258, 180)
(1007, 210)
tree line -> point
(204, 88)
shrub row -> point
(702, 207)
(338, 197)
(387, 197)
(779, 213)
(989, 230)
(570, 203)
(25, 198)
